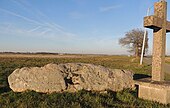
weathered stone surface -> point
(69, 77)
(158, 22)
(154, 90)
(157, 89)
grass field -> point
(84, 99)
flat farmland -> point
(81, 99)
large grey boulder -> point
(69, 77)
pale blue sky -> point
(71, 26)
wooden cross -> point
(158, 22)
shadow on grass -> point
(140, 76)
(4, 89)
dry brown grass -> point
(43, 56)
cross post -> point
(157, 89)
(158, 22)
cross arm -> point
(155, 23)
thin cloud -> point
(40, 15)
(34, 29)
(54, 27)
(43, 24)
(20, 16)
(109, 8)
(43, 32)
(57, 29)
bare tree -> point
(133, 40)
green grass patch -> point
(81, 99)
